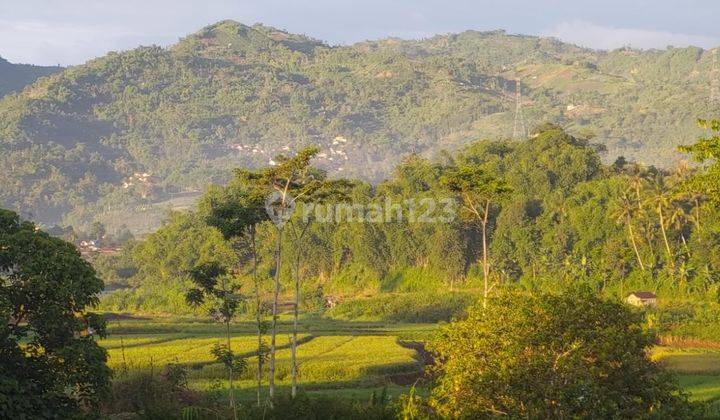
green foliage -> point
(307, 408)
(535, 356)
(707, 149)
(151, 395)
(51, 365)
(182, 243)
(227, 358)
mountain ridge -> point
(235, 95)
(14, 77)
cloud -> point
(588, 34)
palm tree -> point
(678, 220)
(625, 215)
(662, 201)
(638, 177)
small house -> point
(642, 299)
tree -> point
(216, 291)
(236, 210)
(321, 191)
(51, 365)
(478, 191)
(571, 355)
(97, 231)
(292, 180)
(706, 150)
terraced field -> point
(341, 358)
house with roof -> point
(642, 298)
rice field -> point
(342, 358)
(346, 359)
(697, 369)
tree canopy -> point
(51, 366)
(551, 356)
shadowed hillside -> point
(14, 77)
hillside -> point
(128, 130)
(14, 77)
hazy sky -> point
(73, 31)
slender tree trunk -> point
(486, 268)
(230, 373)
(697, 215)
(296, 308)
(271, 365)
(634, 245)
(665, 239)
(258, 315)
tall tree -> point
(478, 190)
(50, 365)
(662, 201)
(292, 180)
(321, 192)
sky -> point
(69, 32)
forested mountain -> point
(14, 77)
(133, 128)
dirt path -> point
(421, 355)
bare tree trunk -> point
(486, 268)
(293, 345)
(634, 245)
(258, 315)
(665, 239)
(271, 365)
(296, 309)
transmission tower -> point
(715, 79)
(519, 124)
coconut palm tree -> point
(662, 201)
(625, 216)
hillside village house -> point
(642, 299)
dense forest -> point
(115, 137)
(561, 218)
